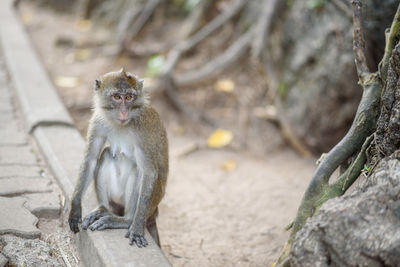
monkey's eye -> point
(129, 98)
(117, 97)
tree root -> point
(145, 14)
(177, 102)
(169, 83)
(184, 46)
(391, 38)
(263, 27)
(216, 66)
(192, 22)
(358, 138)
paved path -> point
(27, 192)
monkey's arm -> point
(141, 204)
(94, 145)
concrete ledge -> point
(63, 149)
(39, 101)
(63, 146)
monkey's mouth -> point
(122, 121)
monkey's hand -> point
(75, 217)
(136, 236)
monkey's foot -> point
(102, 223)
(94, 216)
(140, 240)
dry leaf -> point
(82, 54)
(84, 25)
(229, 165)
(225, 85)
(66, 81)
(26, 18)
(219, 138)
(179, 130)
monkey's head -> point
(120, 96)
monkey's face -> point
(120, 96)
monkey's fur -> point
(127, 156)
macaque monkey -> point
(127, 156)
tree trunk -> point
(313, 64)
(363, 228)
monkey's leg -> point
(104, 169)
(152, 228)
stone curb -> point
(62, 145)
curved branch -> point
(214, 67)
(364, 125)
(213, 25)
(358, 41)
(392, 36)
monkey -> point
(126, 156)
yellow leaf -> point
(66, 81)
(219, 138)
(26, 18)
(273, 264)
(225, 85)
(82, 54)
(84, 25)
(179, 130)
(229, 165)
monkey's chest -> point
(122, 145)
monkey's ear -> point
(97, 84)
(140, 83)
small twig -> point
(190, 148)
(358, 42)
(64, 257)
(351, 174)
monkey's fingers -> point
(88, 220)
(101, 224)
(138, 239)
(73, 225)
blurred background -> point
(251, 92)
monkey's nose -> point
(123, 115)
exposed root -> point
(169, 83)
(263, 27)
(392, 36)
(192, 22)
(177, 102)
(358, 138)
(145, 14)
(358, 42)
(184, 46)
(216, 66)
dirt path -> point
(213, 217)
(209, 216)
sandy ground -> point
(213, 217)
(210, 216)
